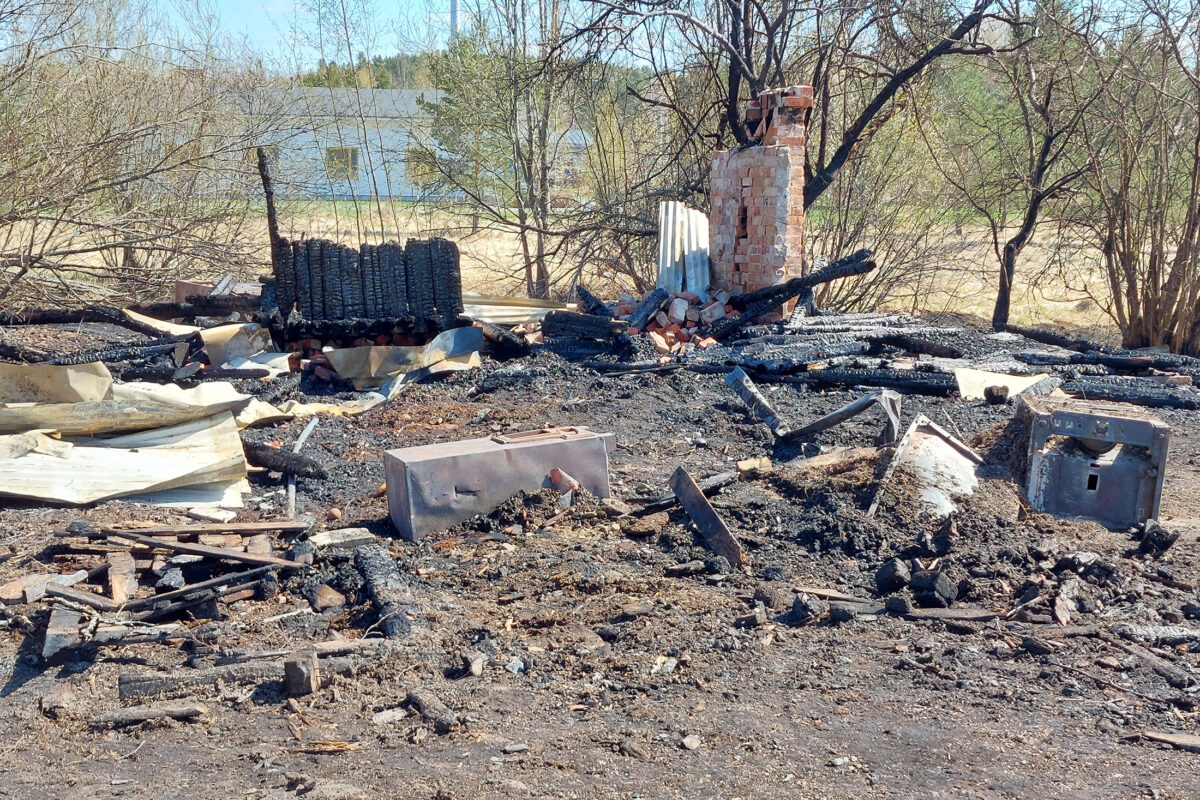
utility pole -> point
(453, 18)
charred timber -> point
(75, 316)
(113, 354)
(573, 348)
(222, 305)
(591, 304)
(1126, 363)
(768, 300)
(63, 316)
(282, 460)
(281, 388)
(165, 310)
(842, 268)
(392, 598)
(169, 374)
(581, 326)
(296, 328)
(504, 343)
(800, 359)
(933, 383)
(646, 309)
(915, 344)
(1053, 339)
(1156, 397)
(1129, 361)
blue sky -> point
(265, 24)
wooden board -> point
(283, 526)
(1183, 741)
(342, 537)
(62, 633)
(83, 597)
(122, 576)
(138, 714)
(716, 534)
(205, 550)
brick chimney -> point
(756, 225)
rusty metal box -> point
(434, 487)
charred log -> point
(933, 383)
(132, 354)
(765, 301)
(582, 326)
(280, 388)
(283, 461)
(649, 306)
(392, 598)
(591, 304)
(915, 344)
(504, 343)
(1150, 397)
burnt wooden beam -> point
(843, 267)
(284, 461)
(204, 550)
(233, 578)
(763, 301)
(505, 343)
(934, 383)
(591, 304)
(62, 634)
(583, 326)
(131, 686)
(135, 715)
(712, 528)
(646, 309)
(83, 597)
(386, 588)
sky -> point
(266, 24)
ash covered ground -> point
(617, 657)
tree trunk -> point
(1008, 269)
(1008, 262)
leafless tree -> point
(122, 155)
(1009, 152)
(1142, 204)
(832, 45)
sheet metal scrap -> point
(1098, 461)
(944, 465)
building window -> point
(341, 163)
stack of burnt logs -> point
(417, 287)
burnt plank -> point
(716, 534)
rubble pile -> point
(573, 508)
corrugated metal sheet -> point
(509, 310)
(683, 249)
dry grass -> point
(491, 259)
(492, 263)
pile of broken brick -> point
(683, 318)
